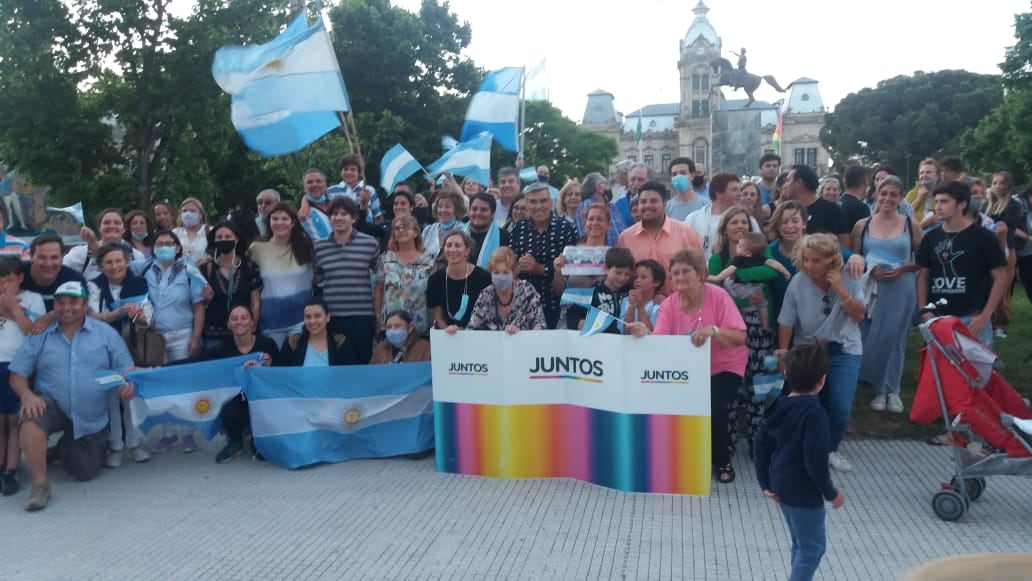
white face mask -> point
(189, 218)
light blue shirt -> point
(65, 369)
(314, 358)
(172, 293)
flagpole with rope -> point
(523, 111)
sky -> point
(631, 48)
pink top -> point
(718, 308)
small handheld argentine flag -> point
(317, 225)
(765, 386)
(75, 211)
(108, 378)
(597, 322)
(195, 274)
(137, 300)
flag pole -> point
(344, 130)
(523, 109)
(354, 132)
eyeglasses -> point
(827, 304)
(265, 202)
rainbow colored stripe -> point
(629, 452)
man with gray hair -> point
(637, 175)
(595, 190)
(265, 201)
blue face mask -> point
(397, 337)
(140, 237)
(681, 183)
(312, 200)
(165, 253)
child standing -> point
(608, 295)
(15, 307)
(640, 303)
(749, 253)
(791, 457)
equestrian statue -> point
(739, 78)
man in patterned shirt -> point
(538, 242)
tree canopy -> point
(907, 118)
(1003, 139)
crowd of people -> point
(345, 277)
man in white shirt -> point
(723, 189)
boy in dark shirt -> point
(792, 457)
(608, 294)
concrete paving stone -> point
(184, 517)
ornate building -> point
(724, 134)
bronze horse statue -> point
(741, 79)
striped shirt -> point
(345, 271)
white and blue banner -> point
(191, 394)
(317, 225)
(308, 415)
(495, 108)
(285, 93)
(75, 211)
(470, 159)
(396, 166)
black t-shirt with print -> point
(960, 265)
(825, 217)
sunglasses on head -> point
(827, 304)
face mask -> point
(698, 182)
(318, 200)
(449, 224)
(140, 237)
(543, 178)
(225, 246)
(396, 337)
(165, 253)
(681, 183)
(502, 282)
(976, 205)
(190, 218)
(608, 195)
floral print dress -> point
(404, 287)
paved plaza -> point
(184, 517)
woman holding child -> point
(703, 312)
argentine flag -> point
(191, 394)
(307, 415)
(495, 108)
(577, 296)
(285, 93)
(396, 166)
(596, 322)
(767, 386)
(470, 159)
(317, 225)
(75, 211)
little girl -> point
(641, 303)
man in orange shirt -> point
(656, 236)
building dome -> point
(700, 28)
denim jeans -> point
(806, 526)
(986, 336)
(837, 395)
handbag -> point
(146, 345)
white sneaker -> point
(894, 405)
(878, 403)
(138, 454)
(838, 461)
(114, 459)
(1000, 334)
(189, 445)
(164, 444)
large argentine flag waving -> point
(286, 92)
(306, 415)
(495, 108)
(191, 394)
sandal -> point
(726, 474)
(940, 440)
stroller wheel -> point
(975, 487)
(949, 505)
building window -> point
(704, 82)
(700, 82)
(799, 154)
(700, 108)
(633, 158)
(666, 163)
(650, 161)
(696, 82)
(811, 157)
(701, 148)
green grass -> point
(868, 424)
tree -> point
(569, 151)
(1003, 139)
(907, 118)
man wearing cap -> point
(63, 360)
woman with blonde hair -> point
(569, 199)
(749, 198)
(449, 208)
(193, 230)
(830, 188)
(509, 303)
(402, 275)
(1008, 215)
(825, 303)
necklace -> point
(505, 304)
(697, 322)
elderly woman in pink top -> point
(705, 311)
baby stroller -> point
(988, 424)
